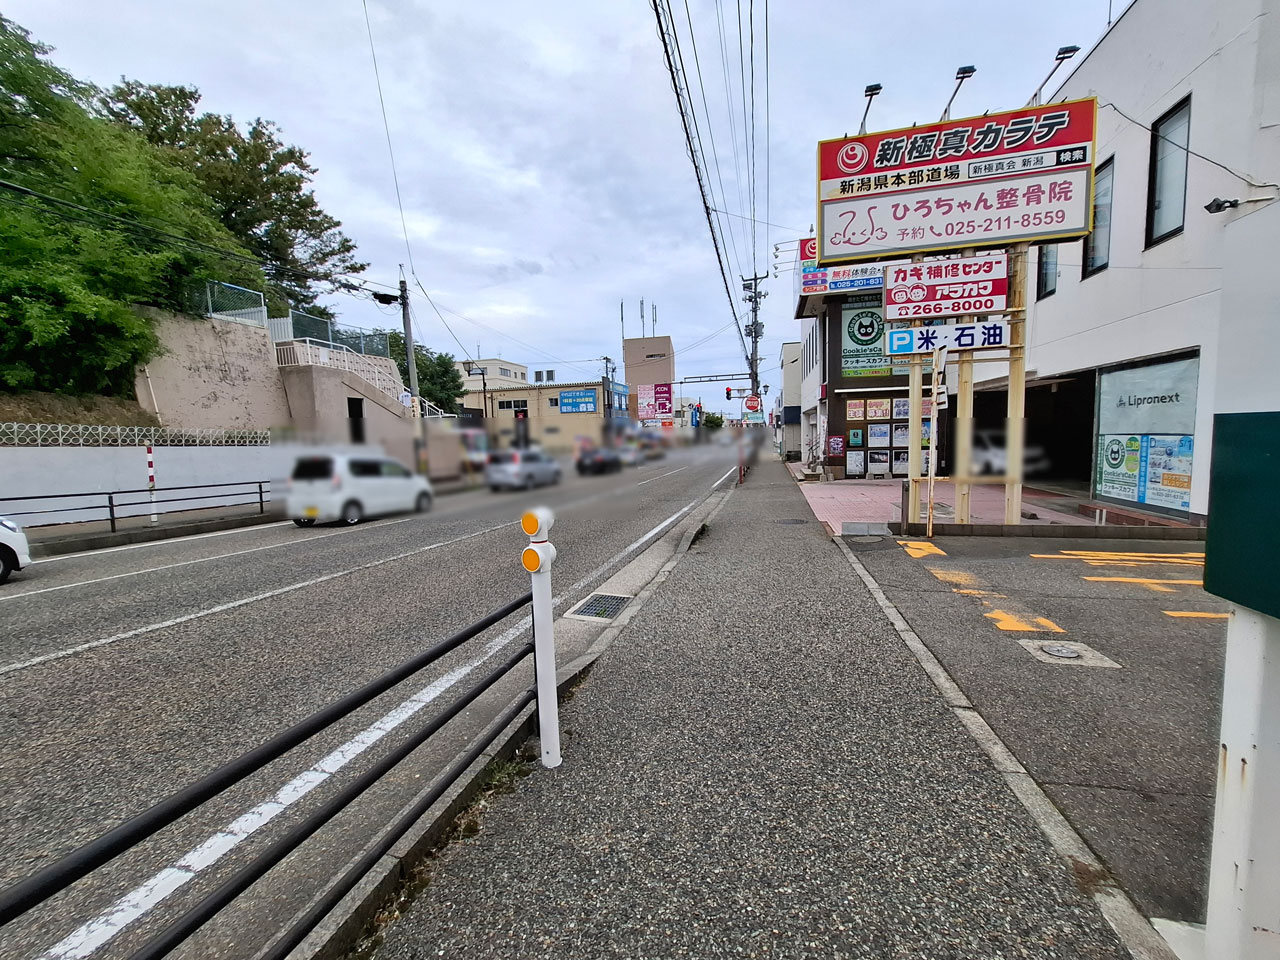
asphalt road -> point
(1128, 751)
(127, 674)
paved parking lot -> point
(1122, 734)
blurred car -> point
(598, 460)
(989, 455)
(346, 488)
(630, 455)
(651, 448)
(520, 469)
(14, 552)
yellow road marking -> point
(1193, 583)
(954, 576)
(1134, 561)
(921, 548)
(1196, 613)
(978, 593)
(1022, 623)
(1125, 553)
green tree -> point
(259, 186)
(84, 247)
(438, 379)
(712, 421)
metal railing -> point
(300, 326)
(114, 505)
(96, 435)
(326, 354)
(29, 893)
(226, 301)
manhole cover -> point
(599, 606)
(867, 539)
(793, 521)
(1060, 651)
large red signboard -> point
(946, 288)
(1021, 175)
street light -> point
(873, 89)
(962, 74)
(1062, 56)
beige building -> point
(647, 360)
(560, 415)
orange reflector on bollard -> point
(529, 523)
(531, 558)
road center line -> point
(660, 476)
(232, 605)
(187, 563)
(86, 939)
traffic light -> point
(728, 393)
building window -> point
(553, 401)
(537, 376)
(1167, 183)
(1097, 245)
(504, 404)
(551, 376)
(551, 430)
(504, 371)
(654, 356)
(1047, 271)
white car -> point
(630, 455)
(348, 488)
(14, 552)
(989, 455)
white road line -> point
(161, 543)
(651, 479)
(727, 474)
(187, 563)
(85, 940)
(222, 607)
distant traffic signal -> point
(728, 393)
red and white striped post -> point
(151, 483)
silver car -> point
(520, 469)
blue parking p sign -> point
(900, 342)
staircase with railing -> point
(324, 354)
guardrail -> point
(116, 508)
(96, 435)
(537, 559)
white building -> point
(787, 412)
(1126, 326)
(498, 374)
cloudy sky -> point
(541, 157)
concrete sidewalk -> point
(758, 767)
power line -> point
(728, 104)
(395, 179)
(697, 133)
(768, 170)
(751, 49)
(351, 283)
(711, 131)
(702, 190)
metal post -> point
(262, 503)
(939, 361)
(1015, 429)
(151, 483)
(537, 558)
(1244, 866)
(111, 510)
(915, 433)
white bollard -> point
(537, 558)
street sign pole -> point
(1015, 429)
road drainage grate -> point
(793, 521)
(599, 606)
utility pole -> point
(753, 296)
(653, 326)
(642, 316)
(408, 339)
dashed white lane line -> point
(232, 605)
(187, 563)
(660, 476)
(85, 940)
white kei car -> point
(14, 552)
(328, 487)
